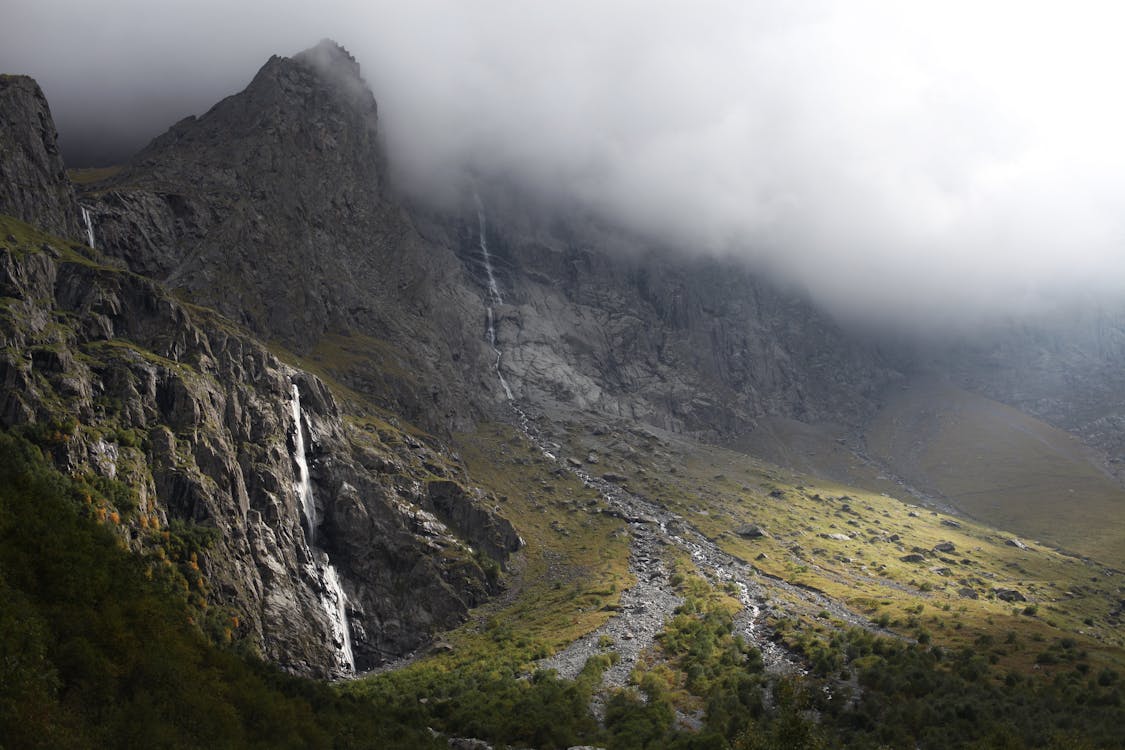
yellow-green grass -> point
(1001, 466)
(359, 407)
(663, 673)
(815, 449)
(354, 353)
(575, 563)
(30, 239)
(89, 175)
(567, 580)
(719, 490)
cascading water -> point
(332, 598)
(493, 295)
(335, 603)
(304, 486)
(89, 222)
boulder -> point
(1009, 595)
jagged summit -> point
(332, 59)
(33, 184)
(337, 66)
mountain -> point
(203, 421)
(470, 442)
(33, 183)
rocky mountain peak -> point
(337, 66)
(33, 182)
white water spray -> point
(493, 290)
(493, 294)
(86, 218)
(304, 485)
(335, 603)
(332, 598)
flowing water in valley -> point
(645, 606)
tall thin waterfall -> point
(304, 486)
(89, 222)
(493, 290)
(493, 295)
(332, 596)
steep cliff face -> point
(596, 320)
(199, 418)
(340, 540)
(33, 186)
(271, 209)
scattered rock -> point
(944, 547)
(950, 523)
(466, 743)
(750, 531)
(968, 593)
(913, 558)
(837, 537)
(1015, 543)
(1009, 595)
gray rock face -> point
(33, 184)
(272, 209)
(197, 418)
(596, 320)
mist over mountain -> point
(930, 165)
(620, 377)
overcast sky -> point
(895, 158)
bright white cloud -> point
(932, 157)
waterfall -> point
(493, 295)
(332, 598)
(86, 218)
(335, 603)
(304, 486)
(493, 290)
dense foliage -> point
(706, 689)
(97, 652)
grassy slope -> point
(720, 490)
(1003, 467)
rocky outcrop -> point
(196, 417)
(33, 183)
(272, 208)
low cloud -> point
(939, 162)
